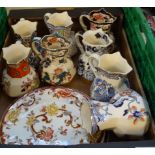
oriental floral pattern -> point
(126, 104)
(47, 116)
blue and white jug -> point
(109, 70)
(92, 41)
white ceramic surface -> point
(59, 19)
(24, 27)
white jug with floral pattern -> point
(127, 113)
(90, 42)
(110, 71)
(56, 67)
(18, 77)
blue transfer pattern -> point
(99, 112)
(84, 70)
(101, 90)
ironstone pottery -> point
(56, 67)
(62, 23)
(92, 41)
(25, 31)
(59, 22)
(126, 114)
(109, 70)
(18, 77)
(46, 116)
(97, 19)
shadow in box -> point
(110, 139)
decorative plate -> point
(46, 116)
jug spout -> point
(115, 64)
(110, 67)
(111, 123)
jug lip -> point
(128, 67)
(113, 75)
(19, 24)
(57, 36)
(47, 18)
(16, 46)
(104, 12)
(59, 27)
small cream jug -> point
(56, 67)
(59, 22)
(18, 77)
(109, 70)
(92, 41)
(62, 24)
(25, 31)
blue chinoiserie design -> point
(101, 90)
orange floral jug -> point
(18, 77)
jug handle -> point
(46, 17)
(22, 19)
(82, 23)
(36, 40)
(93, 62)
(79, 42)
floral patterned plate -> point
(46, 116)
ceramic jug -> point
(127, 113)
(97, 19)
(62, 24)
(92, 41)
(56, 67)
(18, 77)
(109, 70)
(25, 31)
(59, 22)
